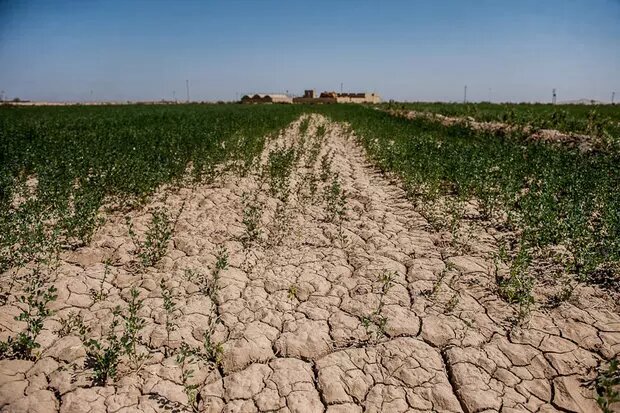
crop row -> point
(548, 195)
(59, 166)
(599, 120)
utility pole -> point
(341, 88)
(613, 95)
(187, 87)
(465, 95)
(553, 98)
(174, 95)
(2, 96)
(489, 95)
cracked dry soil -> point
(315, 315)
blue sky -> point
(404, 50)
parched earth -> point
(366, 311)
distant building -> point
(329, 95)
(267, 98)
(364, 97)
(334, 97)
(310, 97)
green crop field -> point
(83, 156)
(196, 240)
(552, 195)
(581, 119)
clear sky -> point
(506, 50)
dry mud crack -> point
(335, 304)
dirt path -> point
(321, 309)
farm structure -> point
(309, 96)
(334, 97)
(267, 98)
